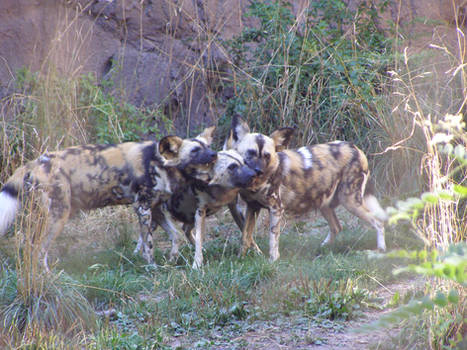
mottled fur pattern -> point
(297, 181)
(94, 176)
(191, 204)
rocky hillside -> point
(168, 53)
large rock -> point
(161, 53)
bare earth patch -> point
(298, 332)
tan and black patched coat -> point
(297, 181)
(94, 176)
(198, 199)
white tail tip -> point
(373, 205)
(8, 207)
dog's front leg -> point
(169, 226)
(237, 214)
(248, 228)
(200, 226)
(275, 215)
(187, 228)
(143, 210)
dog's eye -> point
(267, 156)
(195, 150)
(233, 166)
(251, 153)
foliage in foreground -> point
(447, 298)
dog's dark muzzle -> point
(257, 166)
(244, 177)
(207, 157)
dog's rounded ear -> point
(239, 128)
(228, 143)
(282, 138)
(169, 147)
(207, 134)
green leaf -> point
(422, 255)
(429, 197)
(433, 256)
(440, 299)
(448, 149)
(415, 307)
(460, 274)
(461, 190)
(449, 271)
(399, 216)
(427, 303)
(453, 296)
(445, 195)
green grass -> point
(152, 306)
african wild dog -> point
(297, 181)
(95, 176)
(191, 204)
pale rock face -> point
(159, 51)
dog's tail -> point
(10, 199)
(370, 200)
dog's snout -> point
(243, 177)
(213, 155)
(258, 171)
(250, 175)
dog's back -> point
(319, 175)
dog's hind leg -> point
(367, 215)
(187, 229)
(334, 224)
(59, 209)
(168, 225)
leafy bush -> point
(106, 285)
(213, 296)
(111, 120)
(438, 216)
(56, 303)
(321, 71)
(113, 339)
(335, 299)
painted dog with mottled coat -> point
(191, 204)
(94, 176)
(297, 181)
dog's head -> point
(230, 171)
(191, 156)
(258, 151)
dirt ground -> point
(324, 336)
(298, 332)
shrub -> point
(321, 71)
